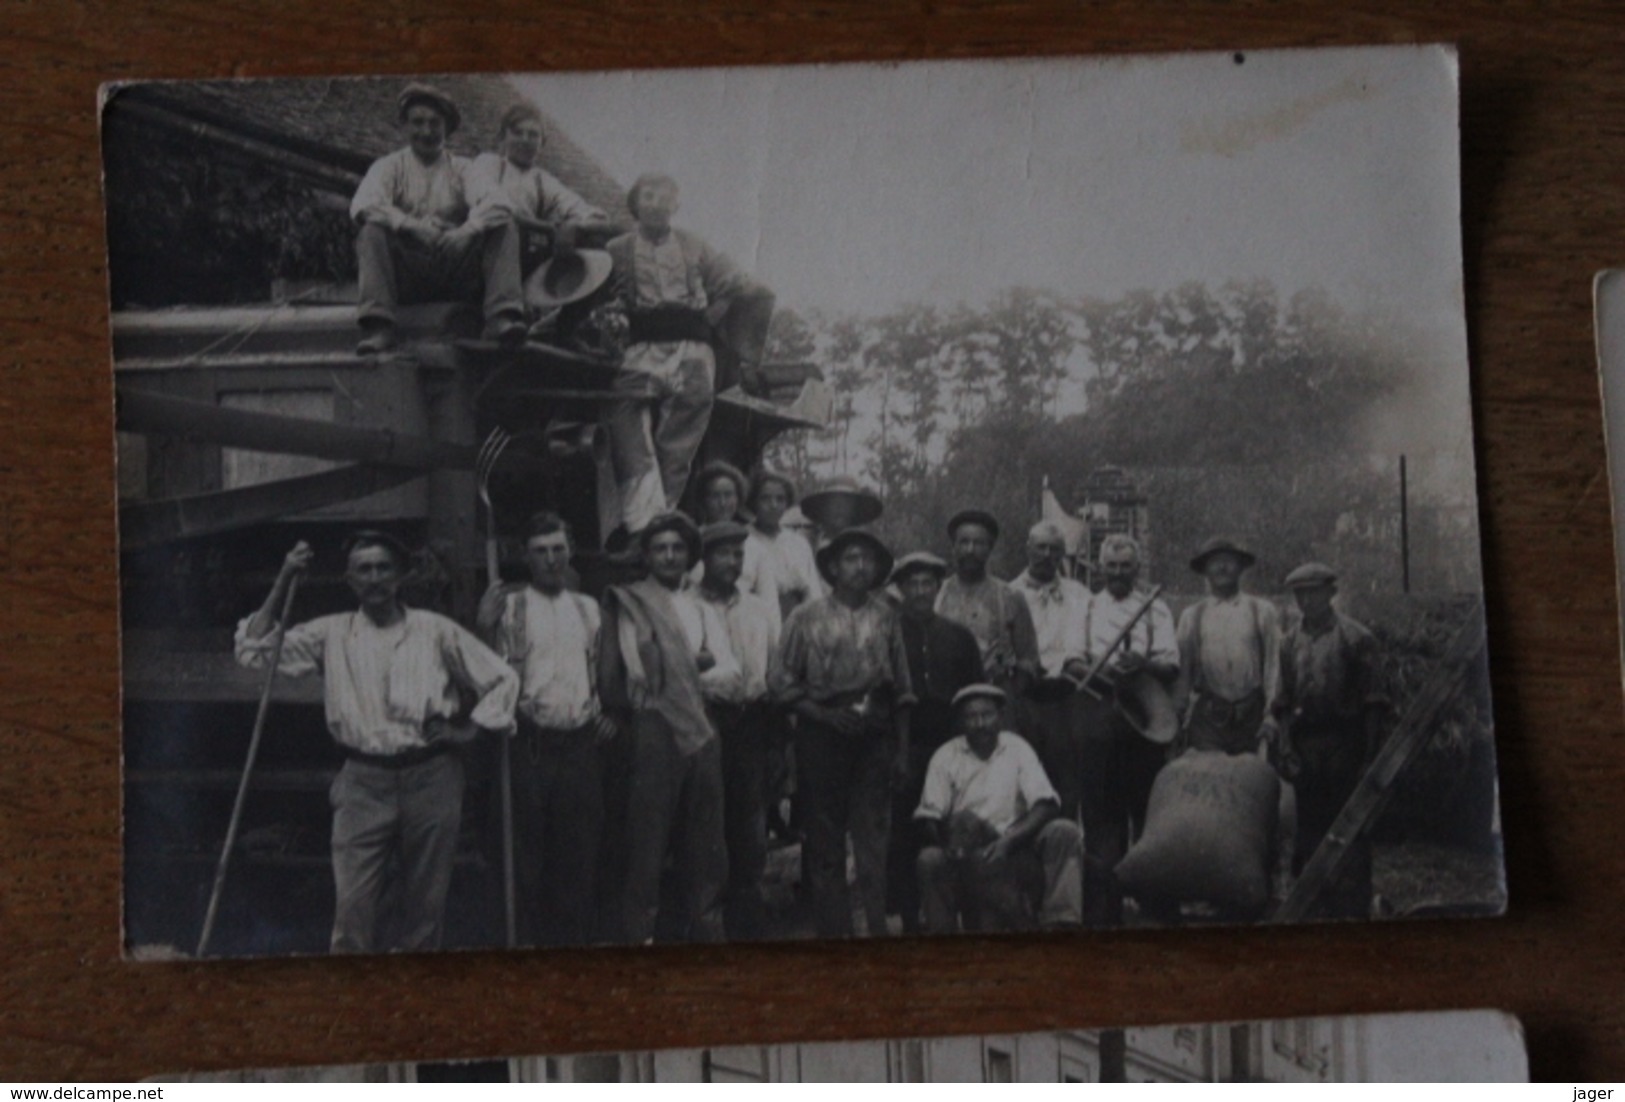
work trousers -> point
(903, 844)
(397, 270)
(652, 446)
(743, 731)
(558, 811)
(1332, 761)
(675, 806)
(843, 782)
(399, 821)
(998, 895)
(1230, 726)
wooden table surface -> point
(1543, 132)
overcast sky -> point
(856, 188)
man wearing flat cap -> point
(1331, 707)
(995, 838)
(993, 611)
(417, 242)
(660, 645)
(394, 678)
(942, 659)
(844, 673)
(746, 647)
(1229, 656)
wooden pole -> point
(1404, 529)
(248, 770)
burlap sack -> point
(1208, 834)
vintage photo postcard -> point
(1480, 1046)
(721, 505)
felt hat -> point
(673, 521)
(1221, 544)
(567, 277)
(840, 504)
(916, 561)
(419, 92)
(982, 689)
(361, 536)
(831, 551)
(722, 531)
(1311, 574)
(974, 516)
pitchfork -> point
(484, 463)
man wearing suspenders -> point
(1230, 657)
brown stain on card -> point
(1229, 137)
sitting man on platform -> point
(993, 833)
(685, 304)
(417, 242)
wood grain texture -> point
(1543, 129)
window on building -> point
(1000, 1066)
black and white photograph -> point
(1478, 1046)
(724, 505)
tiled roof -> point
(348, 122)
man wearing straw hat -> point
(417, 242)
(1229, 656)
(659, 644)
(392, 679)
(844, 673)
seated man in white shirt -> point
(992, 832)
(417, 243)
(551, 638)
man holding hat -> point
(510, 186)
(417, 242)
(942, 659)
(1332, 707)
(659, 643)
(736, 698)
(993, 829)
(1229, 656)
(684, 301)
(393, 678)
(990, 608)
(844, 673)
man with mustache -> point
(392, 676)
(992, 611)
(1229, 656)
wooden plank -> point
(147, 523)
(1371, 795)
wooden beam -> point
(1371, 795)
(148, 523)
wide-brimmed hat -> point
(916, 561)
(974, 516)
(1215, 546)
(567, 277)
(672, 522)
(722, 531)
(418, 92)
(840, 504)
(981, 689)
(832, 550)
(1311, 574)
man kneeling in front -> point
(993, 841)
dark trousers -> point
(401, 818)
(1078, 740)
(843, 782)
(675, 806)
(1230, 726)
(903, 844)
(1332, 761)
(558, 812)
(397, 270)
(998, 895)
(744, 730)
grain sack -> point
(1209, 832)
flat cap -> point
(1311, 574)
(916, 561)
(418, 92)
(722, 531)
(981, 689)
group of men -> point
(978, 742)
(432, 225)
